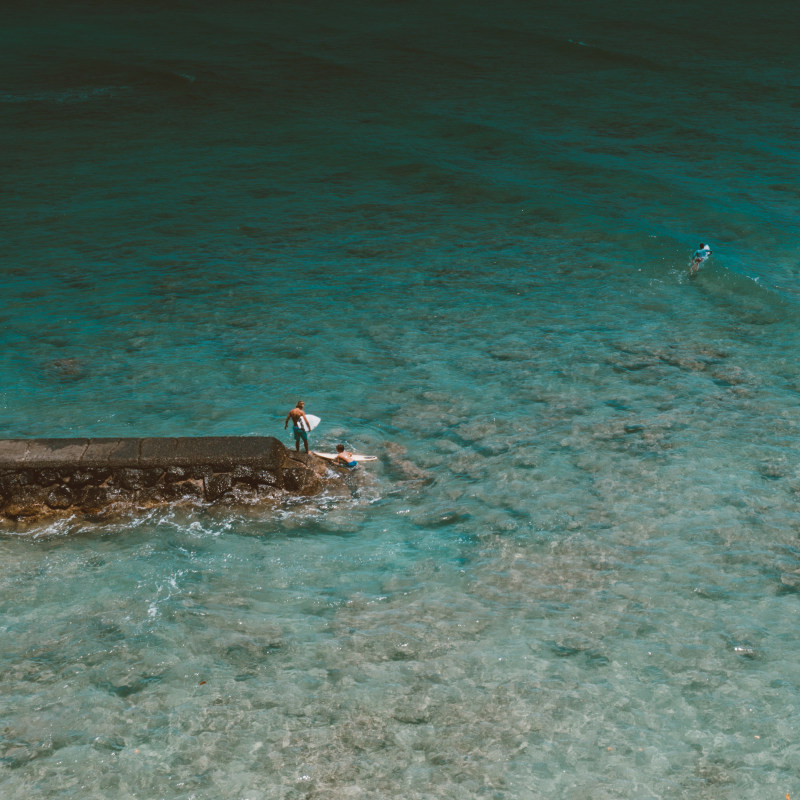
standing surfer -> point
(700, 256)
(301, 425)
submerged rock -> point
(66, 369)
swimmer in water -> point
(700, 257)
(344, 457)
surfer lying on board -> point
(344, 457)
(700, 256)
(301, 425)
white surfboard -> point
(312, 421)
(356, 456)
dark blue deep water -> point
(461, 233)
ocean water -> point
(459, 232)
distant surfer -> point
(344, 457)
(301, 425)
(700, 257)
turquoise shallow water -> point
(461, 235)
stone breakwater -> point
(99, 477)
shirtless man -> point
(344, 457)
(300, 423)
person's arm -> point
(308, 424)
(288, 417)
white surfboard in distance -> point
(356, 456)
(312, 421)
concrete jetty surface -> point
(98, 477)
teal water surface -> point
(461, 235)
